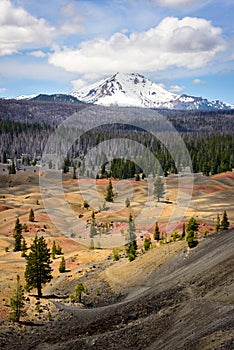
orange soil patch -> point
(4, 207)
(207, 189)
(229, 175)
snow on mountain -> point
(134, 90)
(125, 90)
(26, 97)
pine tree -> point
(74, 173)
(156, 232)
(4, 157)
(217, 226)
(131, 229)
(86, 204)
(192, 225)
(59, 250)
(17, 235)
(191, 230)
(109, 192)
(53, 250)
(31, 215)
(158, 188)
(11, 168)
(77, 296)
(23, 248)
(137, 177)
(131, 247)
(183, 231)
(127, 202)
(17, 302)
(62, 266)
(147, 243)
(38, 270)
(224, 223)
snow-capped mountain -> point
(26, 97)
(135, 90)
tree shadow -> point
(49, 296)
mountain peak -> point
(125, 89)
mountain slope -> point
(134, 90)
(126, 90)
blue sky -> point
(56, 46)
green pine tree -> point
(131, 246)
(85, 204)
(53, 250)
(224, 222)
(156, 232)
(191, 230)
(127, 202)
(74, 173)
(11, 168)
(109, 192)
(17, 235)
(77, 296)
(159, 190)
(192, 225)
(62, 266)
(217, 225)
(137, 177)
(4, 157)
(17, 302)
(183, 231)
(31, 216)
(23, 247)
(147, 243)
(38, 270)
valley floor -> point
(168, 298)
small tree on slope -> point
(224, 222)
(17, 235)
(17, 302)
(38, 270)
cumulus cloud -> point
(188, 43)
(2, 90)
(19, 30)
(198, 81)
(37, 53)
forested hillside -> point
(25, 127)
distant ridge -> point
(135, 90)
(131, 90)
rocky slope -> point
(185, 303)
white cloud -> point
(198, 81)
(187, 43)
(172, 88)
(78, 84)
(38, 54)
(19, 30)
(73, 21)
(2, 90)
(176, 88)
